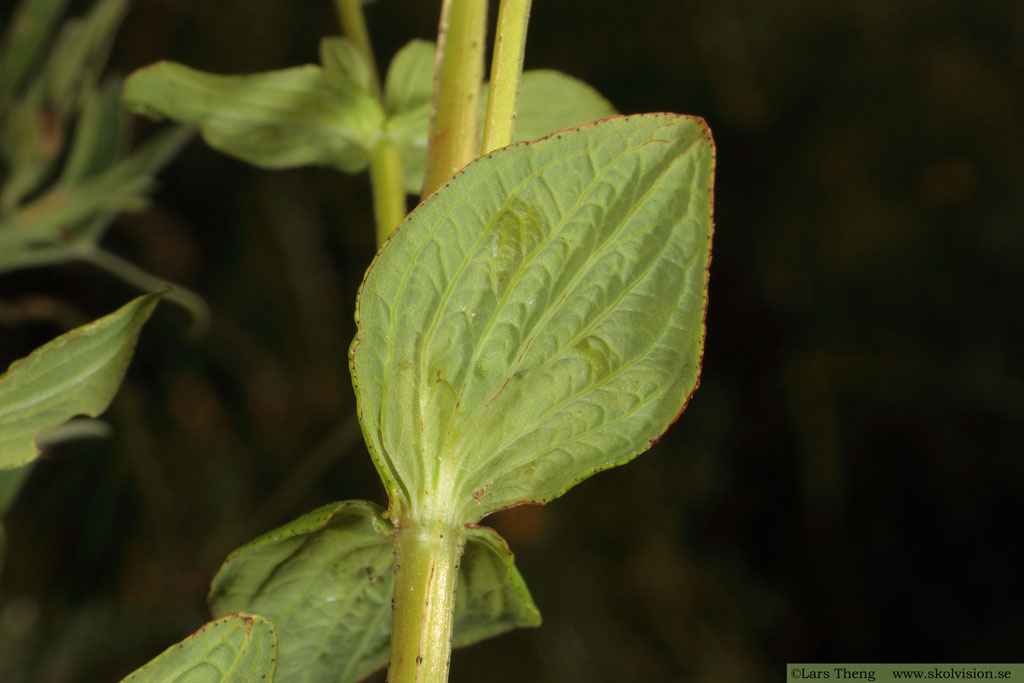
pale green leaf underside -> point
(241, 648)
(77, 373)
(276, 119)
(326, 582)
(539, 318)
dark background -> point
(845, 485)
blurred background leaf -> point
(276, 119)
(77, 373)
(65, 165)
(844, 483)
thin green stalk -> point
(385, 163)
(386, 179)
(426, 572)
(353, 25)
(388, 184)
(458, 75)
(506, 73)
(132, 274)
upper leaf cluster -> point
(327, 114)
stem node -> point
(427, 559)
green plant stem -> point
(506, 73)
(353, 25)
(458, 76)
(388, 187)
(427, 559)
(427, 554)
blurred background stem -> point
(389, 206)
(134, 275)
(353, 26)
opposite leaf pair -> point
(322, 586)
(536, 320)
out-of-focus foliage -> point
(67, 170)
(277, 119)
(75, 374)
(327, 115)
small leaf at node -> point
(326, 581)
(491, 597)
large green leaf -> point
(539, 318)
(76, 373)
(326, 581)
(277, 119)
(241, 648)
